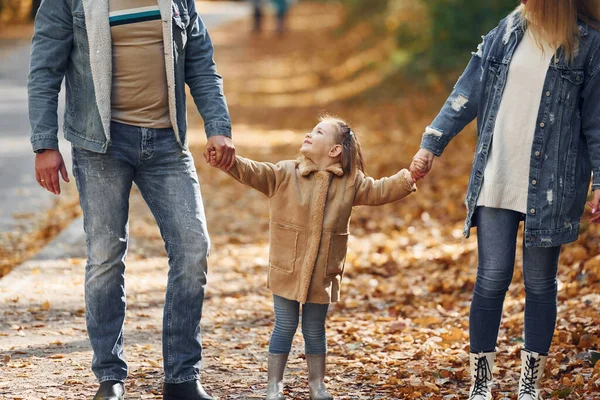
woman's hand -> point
(421, 164)
(595, 205)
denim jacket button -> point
(534, 182)
(542, 124)
(537, 153)
(532, 211)
(548, 94)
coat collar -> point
(306, 167)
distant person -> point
(311, 200)
(281, 10)
(258, 13)
(534, 86)
(126, 64)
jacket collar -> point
(306, 167)
(515, 23)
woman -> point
(534, 86)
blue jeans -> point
(496, 239)
(166, 177)
(287, 315)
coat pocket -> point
(283, 241)
(338, 247)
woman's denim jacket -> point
(566, 144)
(72, 41)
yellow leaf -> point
(153, 363)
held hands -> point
(224, 152)
(47, 167)
(212, 160)
(421, 164)
(595, 205)
(212, 157)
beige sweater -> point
(506, 177)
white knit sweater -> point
(506, 177)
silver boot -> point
(532, 369)
(316, 377)
(276, 366)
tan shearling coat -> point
(310, 215)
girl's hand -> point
(595, 205)
(212, 157)
(421, 164)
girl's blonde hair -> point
(556, 21)
(352, 158)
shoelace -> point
(529, 377)
(483, 374)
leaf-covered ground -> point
(400, 330)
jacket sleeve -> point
(373, 192)
(462, 105)
(50, 52)
(590, 114)
(262, 176)
(206, 85)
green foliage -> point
(440, 38)
(456, 27)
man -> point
(125, 65)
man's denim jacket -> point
(566, 144)
(72, 40)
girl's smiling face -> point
(321, 142)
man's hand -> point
(47, 167)
(224, 150)
(595, 205)
(421, 164)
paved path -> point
(19, 192)
(18, 189)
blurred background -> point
(401, 329)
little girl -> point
(311, 200)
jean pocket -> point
(572, 81)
